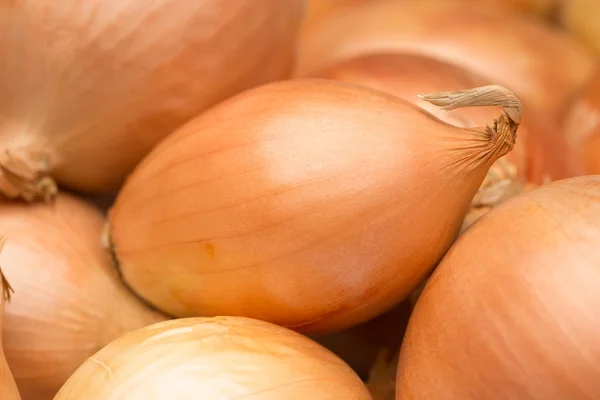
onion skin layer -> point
(8, 387)
(539, 154)
(219, 358)
(512, 310)
(68, 302)
(312, 204)
(582, 126)
(543, 66)
(89, 87)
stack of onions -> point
(8, 387)
(512, 310)
(214, 358)
(89, 87)
(312, 204)
(581, 17)
(512, 51)
(583, 125)
(538, 155)
(68, 301)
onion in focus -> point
(582, 18)
(214, 358)
(8, 387)
(512, 310)
(69, 301)
(89, 87)
(312, 204)
(583, 126)
(542, 65)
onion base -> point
(26, 177)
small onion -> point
(312, 204)
(582, 126)
(512, 310)
(539, 155)
(89, 87)
(8, 387)
(582, 17)
(220, 358)
(68, 301)
(516, 52)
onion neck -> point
(25, 175)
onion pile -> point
(581, 18)
(8, 388)
(512, 310)
(583, 125)
(512, 51)
(214, 358)
(88, 87)
(312, 204)
(68, 302)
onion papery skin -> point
(8, 387)
(511, 311)
(312, 204)
(515, 52)
(539, 154)
(581, 18)
(89, 87)
(69, 302)
(218, 358)
(582, 126)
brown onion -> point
(582, 126)
(581, 18)
(68, 301)
(8, 387)
(89, 87)
(512, 310)
(539, 155)
(544, 66)
(214, 358)
(312, 204)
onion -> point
(581, 18)
(312, 204)
(582, 126)
(68, 301)
(8, 388)
(512, 51)
(214, 358)
(512, 310)
(89, 87)
(539, 155)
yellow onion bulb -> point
(69, 302)
(516, 52)
(539, 154)
(512, 310)
(313, 204)
(218, 358)
(8, 387)
(582, 126)
(89, 87)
